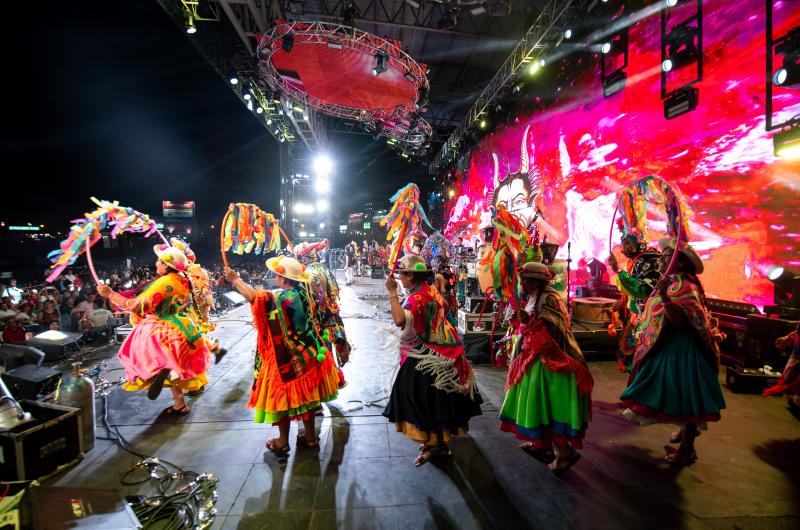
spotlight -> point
(380, 63)
(789, 47)
(483, 123)
(451, 192)
(613, 47)
(534, 67)
(449, 19)
(233, 80)
(323, 165)
(670, 3)
(787, 287)
(249, 104)
(787, 142)
(568, 34)
(681, 47)
(680, 101)
(247, 96)
(287, 43)
(269, 121)
(259, 110)
(190, 27)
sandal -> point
(573, 458)
(305, 443)
(677, 436)
(272, 445)
(675, 457)
(425, 453)
(157, 385)
(172, 411)
(543, 455)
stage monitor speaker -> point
(760, 341)
(234, 297)
(56, 344)
(62, 508)
(30, 381)
(13, 355)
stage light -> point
(269, 121)
(451, 192)
(786, 143)
(613, 47)
(249, 104)
(233, 80)
(190, 27)
(247, 96)
(483, 123)
(259, 110)
(323, 165)
(680, 101)
(322, 205)
(681, 47)
(786, 287)
(335, 45)
(380, 63)
(323, 185)
(287, 43)
(475, 11)
(670, 3)
(321, 226)
(449, 19)
(789, 47)
(568, 34)
(534, 67)
(283, 139)
(614, 82)
(413, 4)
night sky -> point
(113, 100)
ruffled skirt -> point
(675, 383)
(427, 414)
(546, 408)
(154, 345)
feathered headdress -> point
(405, 218)
(85, 232)
(510, 239)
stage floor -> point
(747, 475)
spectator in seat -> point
(13, 332)
(99, 315)
(86, 306)
(6, 312)
(48, 314)
(14, 292)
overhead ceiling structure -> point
(462, 42)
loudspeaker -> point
(30, 381)
(13, 356)
(57, 347)
(760, 341)
(234, 298)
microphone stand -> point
(569, 260)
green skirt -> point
(545, 408)
(675, 383)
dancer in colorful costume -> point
(167, 345)
(674, 376)
(789, 383)
(549, 387)
(636, 283)
(434, 394)
(325, 292)
(294, 371)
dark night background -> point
(111, 99)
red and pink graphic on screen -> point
(745, 202)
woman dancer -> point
(294, 372)
(167, 345)
(434, 394)
(548, 391)
(674, 376)
(789, 383)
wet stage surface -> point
(747, 474)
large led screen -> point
(583, 147)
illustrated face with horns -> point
(517, 191)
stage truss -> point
(402, 125)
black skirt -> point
(415, 400)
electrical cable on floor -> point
(185, 499)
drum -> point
(593, 310)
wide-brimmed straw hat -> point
(685, 249)
(412, 263)
(183, 246)
(289, 268)
(537, 271)
(171, 256)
